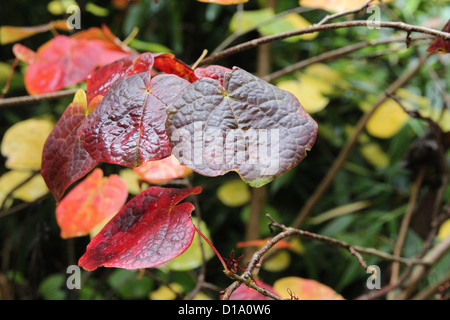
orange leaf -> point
(261, 242)
(92, 201)
(304, 289)
(224, 2)
(162, 170)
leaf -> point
(387, 120)
(336, 5)
(246, 293)
(167, 63)
(9, 34)
(193, 257)
(99, 82)
(150, 230)
(234, 193)
(313, 86)
(65, 61)
(93, 200)
(444, 230)
(440, 45)
(262, 242)
(23, 142)
(30, 191)
(134, 183)
(261, 19)
(224, 2)
(128, 125)
(272, 129)
(64, 160)
(304, 289)
(163, 170)
(214, 72)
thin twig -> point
(317, 28)
(329, 55)
(6, 102)
(405, 223)
(348, 147)
(341, 14)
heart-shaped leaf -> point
(22, 143)
(64, 61)
(99, 82)
(93, 200)
(246, 125)
(64, 160)
(128, 125)
(151, 229)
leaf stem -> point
(214, 248)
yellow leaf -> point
(304, 289)
(336, 5)
(444, 230)
(30, 191)
(234, 193)
(387, 120)
(277, 262)
(375, 155)
(166, 293)
(23, 143)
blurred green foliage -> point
(33, 257)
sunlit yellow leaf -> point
(387, 120)
(166, 293)
(30, 191)
(234, 193)
(9, 34)
(23, 142)
(277, 262)
(224, 2)
(336, 5)
(58, 7)
(444, 230)
(192, 257)
(376, 156)
(304, 289)
(313, 85)
(246, 20)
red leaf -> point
(167, 63)
(247, 293)
(440, 45)
(128, 126)
(214, 71)
(92, 201)
(99, 82)
(64, 160)
(151, 229)
(64, 61)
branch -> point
(348, 147)
(329, 55)
(317, 28)
(6, 102)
